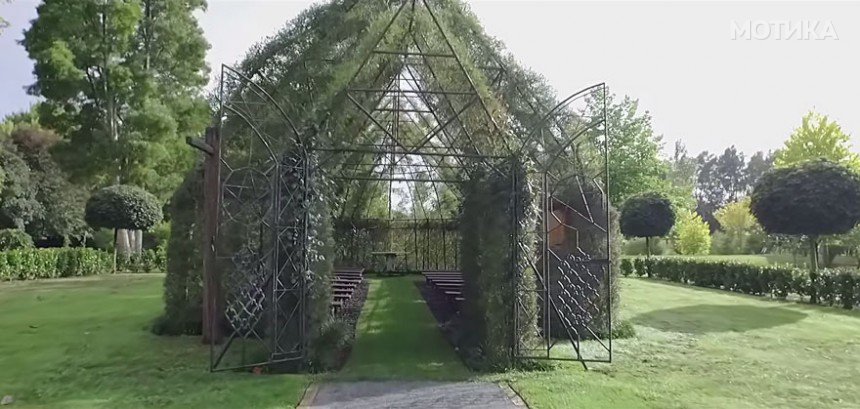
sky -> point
(711, 74)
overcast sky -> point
(680, 60)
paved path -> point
(411, 395)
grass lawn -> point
(85, 343)
(700, 348)
(397, 337)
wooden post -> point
(212, 299)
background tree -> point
(813, 198)
(692, 235)
(62, 203)
(681, 178)
(817, 138)
(721, 180)
(758, 164)
(121, 82)
(18, 202)
(647, 215)
(710, 194)
(729, 171)
(635, 164)
(4, 24)
(738, 223)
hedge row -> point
(840, 286)
(41, 263)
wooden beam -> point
(213, 302)
(201, 145)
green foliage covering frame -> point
(498, 236)
(305, 72)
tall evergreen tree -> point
(730, 174)
(710, 194)
(757, 165)
(721, 180)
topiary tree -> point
(813, 198)
(647, 215)
(122, 207)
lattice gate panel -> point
(261, 248)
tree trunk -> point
(648, 246)
(813, 254)
(122, 245)
(138, 241)
(813, 268)
(115, 240)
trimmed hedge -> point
(30, 264)
(840, 286)
(42, 263)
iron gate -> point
(260, 246)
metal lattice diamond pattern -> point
(246, 291)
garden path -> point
(401, 360)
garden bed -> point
(446, 313)
(349, 313)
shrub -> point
(828, 287)
(122, 207)
(184, 271)
(623, 329)
(149, 261)
(329, 345)
(627, 268)
(692, 235)
(11, 239)
(29, 264)
(637, 246)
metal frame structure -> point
(411, 136)
(256, 244)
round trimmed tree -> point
(647, 215)
(122, 207)
(814, 199)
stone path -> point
(412, 395)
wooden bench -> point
(344, 282)
(346, 279)
(447, 280)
